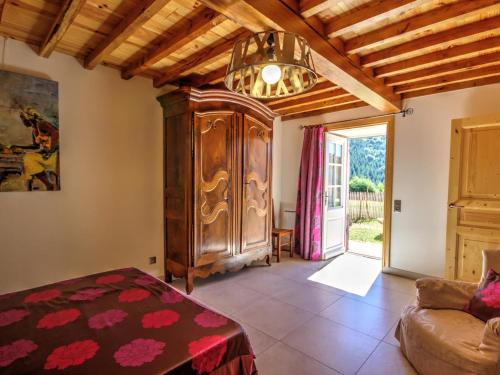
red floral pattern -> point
(158, 319)
(58, 319)
(133, 295)
(491, 295)
(138, 352)
(11, 316)
(71, 355)
(145, 280)
(107, 319)
(171, 297)
(45, 295)
(17, 349)
(71, 281)
(207, 353)
(109, 279)
(89, 294)
(210, 319)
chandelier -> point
(271, 64)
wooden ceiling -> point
(367, 52)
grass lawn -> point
(366, 231)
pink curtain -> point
(309, 196)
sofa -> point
(439, 338)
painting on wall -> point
(29, 133)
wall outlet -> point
(397, 205)
(152, 260)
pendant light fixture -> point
(271, 64)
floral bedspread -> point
(118, 322)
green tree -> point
(362, 184)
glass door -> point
(334, 196)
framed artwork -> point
(29, 133)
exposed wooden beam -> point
(67, 14)
(2, 8)
(329, 103)
(215, 76)
(205, 54)
(334, 65)
(181, 33)
(319, 88)
(318, 98)
(324, 110)
(452, 87)
(351, 20)
(129, 25)
(444, 69)
(309, 8)
(450, 78)
(415, 23)
(414, 63)
(467, 30)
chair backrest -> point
(491, 259)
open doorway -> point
(357, 201)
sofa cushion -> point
(485, 304)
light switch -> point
(397, 205)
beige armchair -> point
(438, 338)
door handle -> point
(454, 205)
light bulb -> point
(271, 74)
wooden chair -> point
(278, 235)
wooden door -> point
(474, 196)
(256, 205)
(334, 193)
(214, 203)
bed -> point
(119, 322)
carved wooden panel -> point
(256, 207)
(213, 156)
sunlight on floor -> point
(351, 273)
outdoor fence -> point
(365, 206)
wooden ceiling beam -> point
(328, 103)
(316, 112)
(309, 8)
(414, 63)
(351, 20)
(319, 88)
(318, 98)
(415, 23)
(132, 22)
(181, 33)
(332, 64)
(205, 54)
(215, 76)
(64, 19)
(467, 30)
(444, 69)
(450, 78)
(452, 87)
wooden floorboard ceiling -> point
(367, 52)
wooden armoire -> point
(217, 182)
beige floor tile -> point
(334, 345)
(273, 317)
(266, 283)
(389, 338)
(307, 297)
(362, 317)
(397, 283)
(259, 340)
(283, 360)
(384, 298)
(228, 298)
(387, 360)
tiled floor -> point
(297, 326)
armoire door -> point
(256, 205)
(213, 201)
(474, 196)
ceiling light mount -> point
(271, 64)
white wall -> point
(422, 143)
(109, 211)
